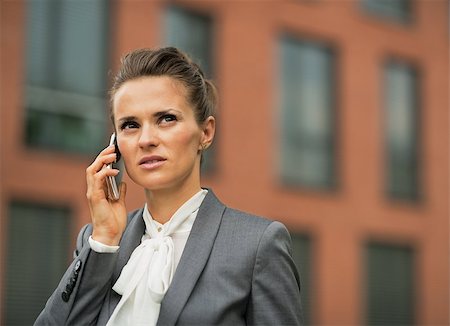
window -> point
(401, 123)
(307, 114)
(191, 32)
(399, 10)
(301, 252)
(390, 293)
(36, 258)
(65, 83)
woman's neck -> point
(162, 204)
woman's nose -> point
(149, 137)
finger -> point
(107, 151)
(94, 177)
(106, 159)
(105, 172)
(98, 181)
(100, 162)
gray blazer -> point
(236, 269)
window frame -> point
(376, 11)
(398, 246)
(60, 210)
(333, 112)
(60, 106)
(415, 195)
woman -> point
(185, 258)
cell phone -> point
(113, 181)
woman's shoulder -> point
(241, 229)
(251, 223)
(242, 220)
(246, 217)
(250, 220)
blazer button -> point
(69, 288)
(77, 266)
(65, 296)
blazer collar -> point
(193, 260)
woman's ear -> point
(208, 131)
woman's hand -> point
(109, 218)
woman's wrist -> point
(106, 239)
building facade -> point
(333, 119)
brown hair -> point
(170, 61)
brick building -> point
(333, 118)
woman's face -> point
(158, 135)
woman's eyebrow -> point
(128, 118)
(164, 112)
(156, 115)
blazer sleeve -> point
(80, 294)
(275, 293)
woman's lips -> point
(151, 162)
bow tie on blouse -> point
(146, 277)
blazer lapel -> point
(195, 255)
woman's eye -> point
(128, 125)
(168, 118)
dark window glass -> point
(390, 295)
(301, 252)
(192, 33)
(401, 121)
(65, 83)
(399, 10)
(307, 114)
(36, 258)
